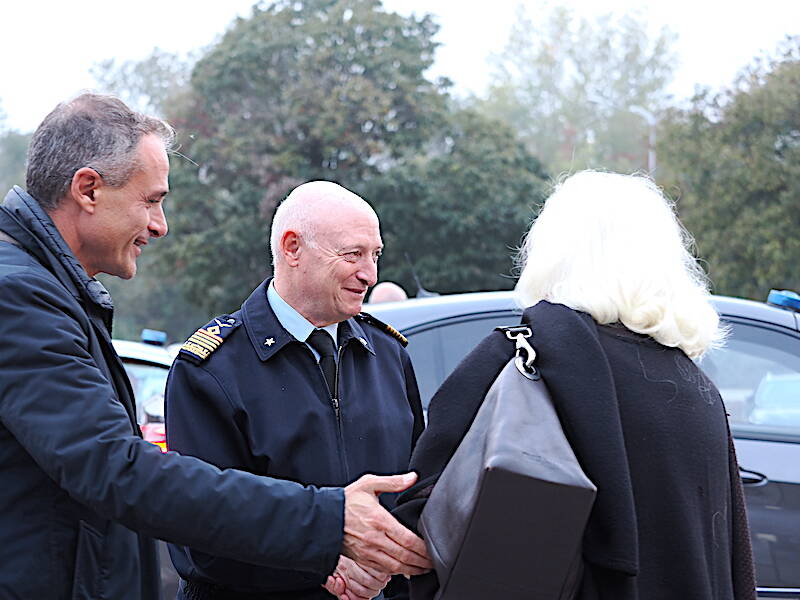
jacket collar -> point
(268, 336)
(23, 219)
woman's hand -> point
(351, 581)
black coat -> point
(81, 494)
(259, 403)
(649, 429)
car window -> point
(149, 382)
(424, 347)
(437, 349)
(757, 372)
(758, 376)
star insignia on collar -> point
(269, 341)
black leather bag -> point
(505, 520)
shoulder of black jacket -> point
(206, 340)
(384, 327)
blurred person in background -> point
(387, 291)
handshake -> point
(375, 545)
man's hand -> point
(372, 537)
(352, 581)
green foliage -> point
(734, 160)
(318, 89)
(460, 212)
(13, 150)
(151, 86)
(152, 301)
(575, 89)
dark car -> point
(757, 373)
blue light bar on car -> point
(154, 337)
(784, 298)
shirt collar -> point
(292, 321)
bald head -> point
(310, 206)
(325, 242)
(387, 291)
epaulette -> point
(385, 327)
(207, 339)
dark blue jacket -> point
(259, 403)
(77, 482)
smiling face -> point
(337, 268)
(124, 218)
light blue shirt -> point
(296, 324)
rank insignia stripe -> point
(209, 335)
(203, 342)
(385, 327)
(206, 340)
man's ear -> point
(290, 247)
(85, 183)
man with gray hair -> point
(82, 495)
(298, 384)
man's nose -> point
(158, 222)
(368, 272)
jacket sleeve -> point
(414, 400)
(60, 407)
(197, 410)
(202, 422)
(742, 566)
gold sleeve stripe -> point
(198, 351)
(198, 336)
(392, 331)
(202, 342)
(215, 338)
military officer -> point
(298, 385)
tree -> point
(733, 158)
(152, 300)
(459, 212)
(13, 151)
(575, 90)
(150, 86)
(318, 89)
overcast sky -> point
(48, 47)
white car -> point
(147, 365)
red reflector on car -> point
(155, 433)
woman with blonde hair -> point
(619, 308)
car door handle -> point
(752, 478)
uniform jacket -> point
(260, 403)
(649, 429)
(81, 494)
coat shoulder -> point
(385, 328)
(207, 339)
(17, 263)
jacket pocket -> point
(87, 578)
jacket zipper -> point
(337, 411)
